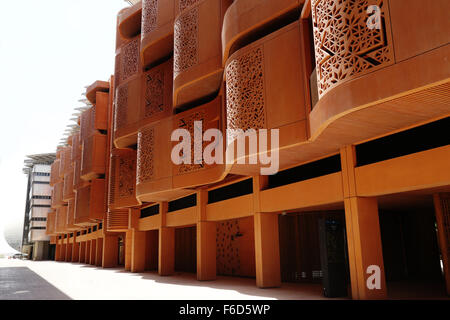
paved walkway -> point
(24, 279)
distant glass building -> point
(35, 241)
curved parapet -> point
(158, 178)
(61, 220)
(246, 19)
(90, 203)
(57, 195)
(76, 148)
(129, 21)
(197, 51)
(117, 221)
(388, 70)
(68, 192)
(54, 172)
(265, 90)
(93, 157)
(51, 223)
(71, 216)
(122, 181)
(157, 30)
(97, 86)
(142, 100)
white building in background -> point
(35, 241)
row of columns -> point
(362, 227)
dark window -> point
(89, 230)
(150, 211)
(429, 136)
(41, 182)
(307, 171)
(100, 226)
(41, 197)
(94, 228)
(71, 235)
(38, 219)
(78, 233)
(231, 191)
(183, 203)
(65, 236)
(37, 228)
(40, 206)
(42, 174)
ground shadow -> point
(20, 283)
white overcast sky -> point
(49, 50)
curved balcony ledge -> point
(122, 188)
(68, 192)
(61, 220)
(90, 203)
(412, 91)
(265, 90)
(66, 164)
(158, 179)
(246, 17)
(51, 223)
(143, 100)
(71, 216)
(157, 30)
(54, 172)
(117, 221)
(129, 21)
(197, 51)
(97, 86)
(76, 148)
(57, 194)
(93, 157)
(95, 119)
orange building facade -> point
(359, 91)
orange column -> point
(166, 250)
(128, 249)
(206, 241)
(57, 250)
(442, 210)
(138, 240)
(93, 251)
(267, 250)
(68, 250)
(138, 251)
(63, 251)
(87, 252)
(75, 251)
(82, 252)
(365, 252)
(166, 265)
(110, 251)
(99, 252)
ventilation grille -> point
(122, 188)
(117, 220)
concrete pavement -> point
(24, 279)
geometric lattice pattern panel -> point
(149, 16)
(187, 123)
(345, 47)
(227, 254)
(121, 105)
(185, 41)
(154, 92)
(129, 64)
(245, 91)
(145, 156)
(122, 189)
(186, 3)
